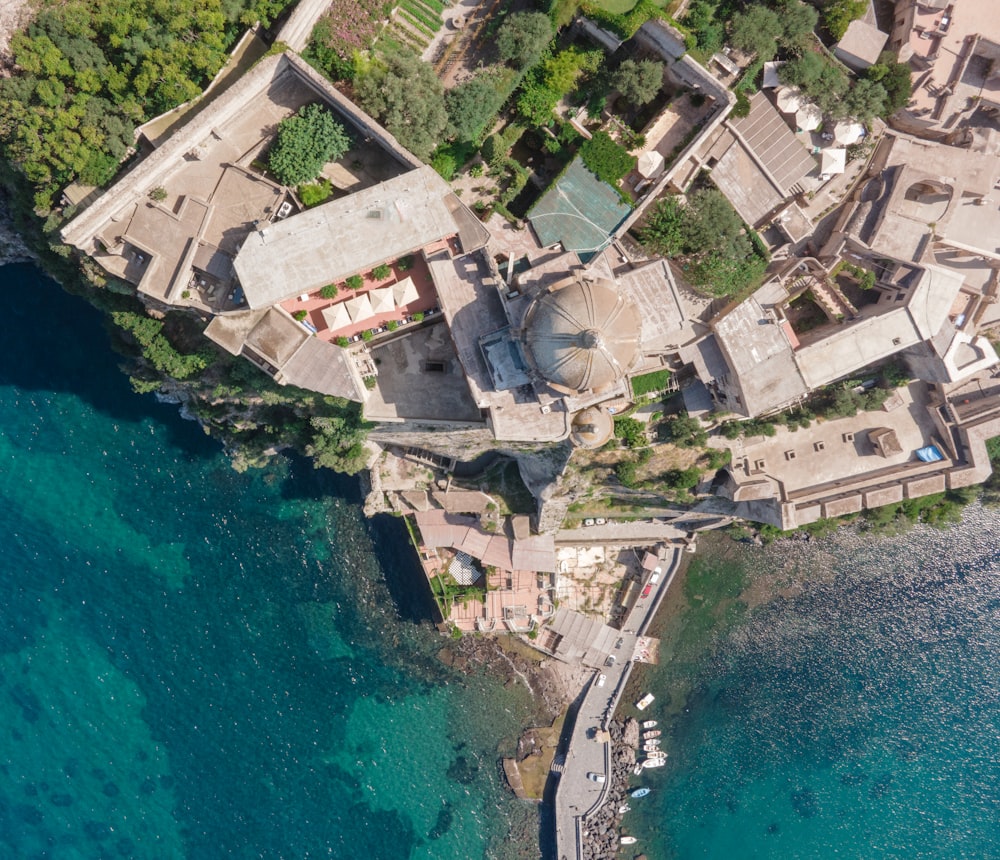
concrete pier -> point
(589, 750)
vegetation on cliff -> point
(86, 72)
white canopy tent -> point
(650, 164)
(832, 160)
(336, 316)
(382, 301)
(771, 78)
(404, 292)
(360, 308)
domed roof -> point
(592, 427)
(581, 334)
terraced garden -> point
(415, 23)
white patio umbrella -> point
(404, 292)
(847, 132)
(808, 117)
(650, 164)
(336, 316)
(789, 99)
(381, 300)
(360, 308)
(832, 160)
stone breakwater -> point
(601, 835)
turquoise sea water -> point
(199, 663)
(852, 711)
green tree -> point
(866, 99)
(473, 104)
(606, 159)
(404, 93)
(156, 349)
(686, 432)
(712, 222)
(337, 442)
(757, 31)
(638, 81)
(522, 38)
(798, 20)
(536, 101)
(306, 141)
(707, 32)
(838, 14)
(631, 431)
(708, 238)
(663, 230)
(561, 72)
(817, 77)
(895, 80)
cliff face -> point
(12, 246)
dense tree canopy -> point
(708, 238)
(759, 27)
(306, 141)
(866, 99)
(523, 37)
(403, 92)
(798, 20)
(87, 71)
(606, 159)
(894, 78)
(338, 441)
(757, 31)
(818, 77)
(157, 350)
(472, 104)
(838, 14)
(638, 81)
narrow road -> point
(577, 795)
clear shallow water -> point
(856, 716)
(197, 663)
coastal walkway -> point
(589, 750)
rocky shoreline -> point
(602, 830)
(12, 247)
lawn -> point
(617, 7)
(650, 382)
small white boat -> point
(629, 840)
(641, 792)
(623, 808)
(646, 748)
(653, 734)
(649, 724)
(654, 762)
(645, 701)
(655, 754)
(637, 770)
(652, 742)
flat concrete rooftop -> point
(345, 237)
(955, 190)
(420, 378)
(837, 450)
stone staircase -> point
(828, 296)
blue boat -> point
(641, 792)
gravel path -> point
(12, 15)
